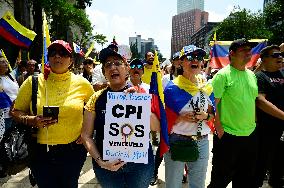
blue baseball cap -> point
(192, 50)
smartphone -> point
(51, 111)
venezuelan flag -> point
(46, 42)
(255, 53)
(178, 94)
(219, 57)
(158, 106)
(14, 32)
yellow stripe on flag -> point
(8, 17)
(90, 50)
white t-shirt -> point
(165, 80)
(143, 85)
(11, 88)
(98, 76)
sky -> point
(151, 18)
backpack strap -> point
(34, 94)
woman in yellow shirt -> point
(59, 154)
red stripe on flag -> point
(253, 60)
(10, 37)
(219, 62)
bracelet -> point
(24, 119)
(97, 159)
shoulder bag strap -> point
(34, 94)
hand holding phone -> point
(51, 111)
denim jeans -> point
(131, 175)
(60, 167)
(196, 170)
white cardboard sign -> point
(127, 127)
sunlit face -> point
(31, 66)
(273, 60)
(116, 71)
(192, 65)
(136, 71)
(3, 66)
(88, 66)
(59, 59)
(243, 54)
(150, 58)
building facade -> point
(202, 36)
(187, 5)
(184, 25)
(143, 45)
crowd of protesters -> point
(244, 110)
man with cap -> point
(270, 117)
(234, 145)
(136, 72)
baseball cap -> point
(136, 61)
(241, 42)
(175, 55)
(107, 52)
(62, 43)
(192, 50)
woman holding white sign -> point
(115, 173)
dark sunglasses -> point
(139, 66)
(109, 64)
(61, 53)
(276, 55)
(193, 57)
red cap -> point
(62, 43)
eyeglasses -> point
(109, 64)
(61, 53)
(193, 57)
(276, 55)
(139, 66)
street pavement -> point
(87, 178)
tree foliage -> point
(241, 23)
(134, 51)
(274, 21)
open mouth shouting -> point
(114, 75)
(194, 66)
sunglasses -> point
(61, 53)
(276, 55)
(109, 64)
(193, 57)
(139, 66)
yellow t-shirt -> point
(146, 77)
(69, 92)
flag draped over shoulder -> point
(178, 94)
(14, 32)
(46, 42)
(158, 105)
